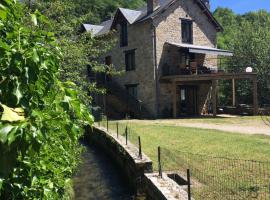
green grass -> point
(202, 141)
(175, 140)
(244, 120)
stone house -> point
(168, 50)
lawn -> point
(198, 141)
(205, 152)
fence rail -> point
(220, 178)
(212, 178)
(124, 130)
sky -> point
(241, 6)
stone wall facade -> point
(140, 38)
(168, 29)
(148, 39)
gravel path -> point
(250, 127)
(251, 130)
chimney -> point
(207, 3)
(152, 5)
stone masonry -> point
(156, 96)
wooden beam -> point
(214, 97)
(174, 100)
(255, 96)
(205, 77)
(233, 93)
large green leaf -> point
(17, 92)
(34, 19)
(12, 114)
(1, 183)
(4, 131)
(3, 12)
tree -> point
(81, 49)
(248, 36)
(41, 118)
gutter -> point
(154, 40)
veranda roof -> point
(202, 49)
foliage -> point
(41, 117)
(81, 49)
(248, 36)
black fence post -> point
(126, 133)
(107, 123)
(140, 147)
(189, 184)
(159, 163)
(117, 129)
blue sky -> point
(241, 6)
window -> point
(91, 74)
(130, 60)
(183, 94)
(123, 34)
(187, 58)
(132, 90)
(108, 60)
(187, 31)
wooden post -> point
(255, 97)
(174, 100)
(214, 97)
(233, 93)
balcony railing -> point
(198, 70)
(189, 70)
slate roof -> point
(139, 15)
(101, 29)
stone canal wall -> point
(125, 156)
(137, 171)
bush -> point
(41, 118)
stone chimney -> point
(152, 5)
(207, 3)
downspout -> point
(154, 40)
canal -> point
(99, 179)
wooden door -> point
(188, 100)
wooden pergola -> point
(176, 80)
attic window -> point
(187, 31)
(123, 34)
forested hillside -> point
(248, 36)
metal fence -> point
(215, 178)
(211, 178)
(123, 130)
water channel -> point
(99, 178)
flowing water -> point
(99, 179)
